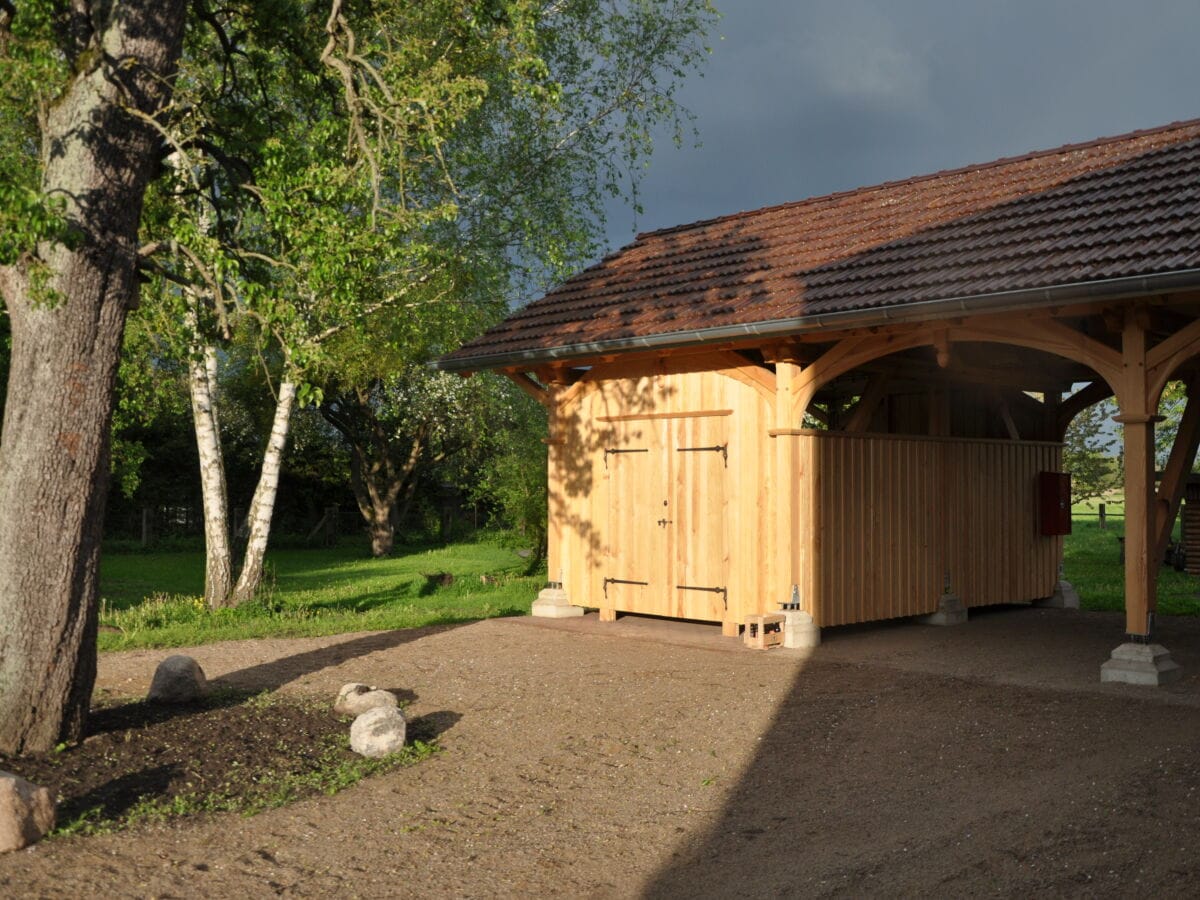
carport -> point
(853, 406)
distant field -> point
(154, 599)
(1092, 564)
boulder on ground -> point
(26, 812)
(355, 699)
(378, 732)
(178, 679)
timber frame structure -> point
(847, 403)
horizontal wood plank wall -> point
(891, 516)
(666, 408)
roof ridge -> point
(915, 179)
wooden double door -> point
(667, 518)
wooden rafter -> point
(864, 410)
(1010, 425)
(530, 387)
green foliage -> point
(1092, 564)
(27, 218)
(1170, 407)
(1090, 452)
(151, 400)
(512, 477)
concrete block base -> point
(1149, 664)
(950, 611)
(799, 630)
(1064, 597)
(552, 603)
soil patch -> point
(233, 751)
(650, 759)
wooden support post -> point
(1141, 571)
(785, 565)
(556, 564)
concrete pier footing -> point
(1064, 597)
(1146, 664)
(950, 611)
(552, 603)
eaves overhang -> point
(833, 322)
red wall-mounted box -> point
(1054, 502)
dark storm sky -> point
(805, 97)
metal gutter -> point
(924, 310)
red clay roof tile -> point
(1108, 209)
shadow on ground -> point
(877, 781)
(278, 672)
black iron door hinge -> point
(723, 449)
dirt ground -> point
(656, 759)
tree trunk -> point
(218, 562)
(383, 534)
(65, 350)
(375, 501)
(263, 505)
(379, 473)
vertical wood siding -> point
(892, 517)
(867, 526)
(719, 506)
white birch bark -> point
(263, 505)
(218, 562)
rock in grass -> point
(178, 679)
(378, 732)
(354, 699)
(26, 812)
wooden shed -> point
(855, 404)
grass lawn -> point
(154, 599)
(1092, 564)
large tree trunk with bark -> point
(218, 561)
(263, 506)
(65, 350)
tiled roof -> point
(1079, 216)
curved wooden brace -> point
(1163, 359)
(845, 356)
(1079, 401)
(1049, 336)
